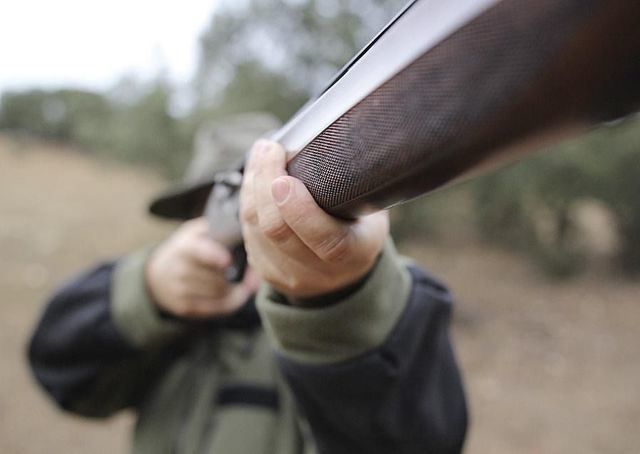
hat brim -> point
(182, 203)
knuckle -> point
(187, 225)
(298, 285)
(182, 243)
(295, 284)
(195, 312)
(273, 278)
(295, 214)
(334, 249)
(260, 144)
(276, 230)
(248, 213)
(182, 291)
(227, 306)
(181, 272)
(184, 310)
(251, 261)
(191, 227)
(220, 291)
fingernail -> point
(280, 189)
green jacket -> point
(372, 373)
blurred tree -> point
(618, 176)
(137, 128)
(143, 129)
(270, 55)
(57, 114)
(256, 88)
(530, 205)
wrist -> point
(335, 295)
(346, 329)
(134, 313)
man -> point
(354, 356)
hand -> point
(185, 276)
(291, 242)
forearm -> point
(378, 377)
(81, 351)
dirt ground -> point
(549, 368)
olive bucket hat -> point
(218, 147)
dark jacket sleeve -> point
(81, 357)
(101, 343)
(402, 396)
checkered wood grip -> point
(522, 69)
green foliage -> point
(59, 114)
(619, 186)
(140, 131)
(145, 132)
(256, 55)
(529, 206)
(413, 221)
(262, 54)
(255, 88)
(444, 215)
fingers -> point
(329, 238)
(208, 253)
(248, 212)
(260, 211)
(204, 282)
(272, 165)
(201, 307)
(291, 242)
(207, 299)
(194, 243)
(251, 281)
(197, 308)
(197, 226)
(185, 277)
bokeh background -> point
(544, 256)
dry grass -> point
(549, 368)
(60, 212)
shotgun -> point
(450, 89)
